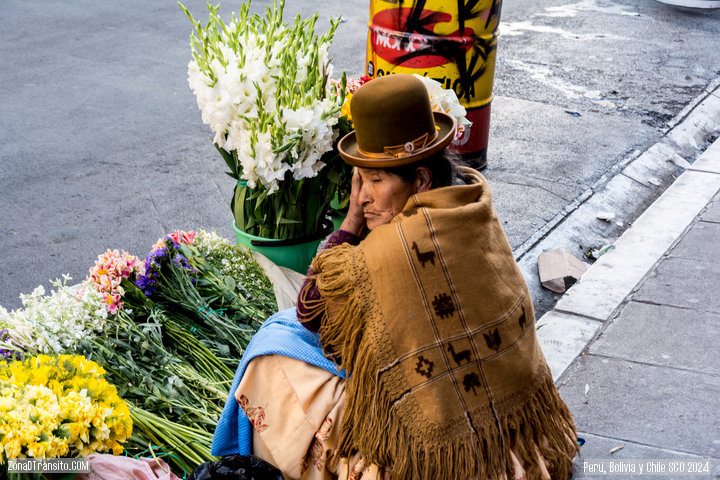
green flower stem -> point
(210, 364)
(191, 444)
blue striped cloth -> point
(281, 334)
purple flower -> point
(161, 252)
(8, 354)
(153, 263)
(145, 284)
(182, 262)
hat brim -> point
(348, 148)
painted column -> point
(453, 42)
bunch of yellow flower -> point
(59, 406)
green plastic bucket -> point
(295, 254)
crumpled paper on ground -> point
(559, 269)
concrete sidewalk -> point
(633, 345)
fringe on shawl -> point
(341, 332)
(538, 421)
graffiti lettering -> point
(386, 39)
(394, 42)
(455, 84)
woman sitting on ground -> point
(429, 317)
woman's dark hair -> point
(441, 166)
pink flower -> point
(107, 274)
(103, 284)
(183, 237)
(159, 245)
(113, 303)
(355, 83)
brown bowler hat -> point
(394, 124)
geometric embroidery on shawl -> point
(443, 305)
(424, 367)
(256, 415)
(522, 321)
(424, 257)
(463, 356)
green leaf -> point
(254, 193)
(239, 206)
(229, 160)
(229, 283)
(334, 176)
(261, 197)
(288, 221)
(224, 349)
(285, 147)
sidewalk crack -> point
(520, 184)
(680, 307)
(650, 364)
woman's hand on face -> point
(355, 220)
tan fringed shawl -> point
(432, 318)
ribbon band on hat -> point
(399, 151)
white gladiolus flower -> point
(254, 69)
(298, 120)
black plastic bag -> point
(236, 467)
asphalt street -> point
(102, 144)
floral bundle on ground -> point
(59, 406)
(166, 332)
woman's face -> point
(382, 195)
